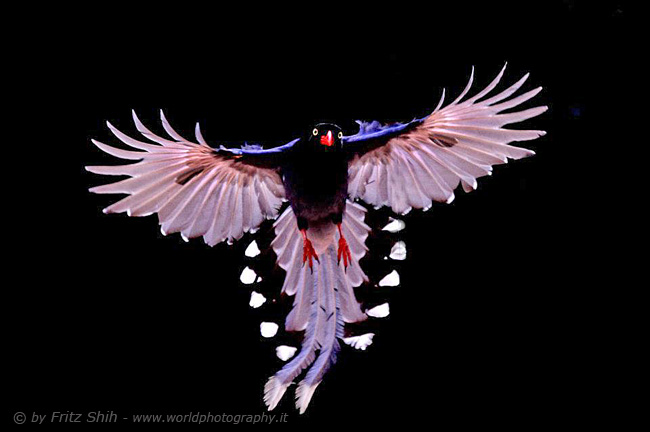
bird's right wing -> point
(195, 189)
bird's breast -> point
(316, 188)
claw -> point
(308, 252)
(344, 250)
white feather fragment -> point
(285, 352)
(268, 329)
(381, 311)
(252, 250)
(248, 276)
(391, 279)
(360, 342)
(394, 225)
(257, 300)
(398, 251)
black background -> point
(494, 321)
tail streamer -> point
(324, 301)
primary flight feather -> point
(221, 193)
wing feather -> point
(428, 158)
(195, 189)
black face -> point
(326, 137)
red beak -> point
(327, 140)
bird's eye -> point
(315, 132)
(340, 135)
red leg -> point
(344, 249)
(308, 252)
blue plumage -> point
(373, 130)
(257, 149)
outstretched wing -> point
(410, 165)
(196, 190)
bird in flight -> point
(220, 193)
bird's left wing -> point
(410, 165)
(195, 189)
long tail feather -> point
(331, 332)
(278, 383)
(324, 300)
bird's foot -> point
(308, 252)
(344, 250)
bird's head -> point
(326, 137)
